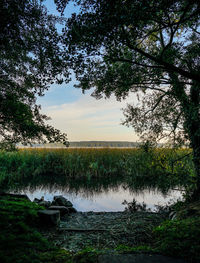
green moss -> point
(176, 238)
(179, 238)
(20, 240)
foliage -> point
(158, 167)
(147, 146)
(138, 46)
(31, 59)
(179, 238)
(134, 206)
(150, 48)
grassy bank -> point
(20, 240)
(132, 164)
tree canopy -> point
(129, 46)
(31, 59)
(147, 47)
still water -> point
(108, 200)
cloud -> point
(91, 119)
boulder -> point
(63, 210)
(49, 217)
(42, 202)
(36, 200)
(59, 200)
(46, 204)
(72, 210)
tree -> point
(31, 58)
(147, 47)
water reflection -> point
(98, 194)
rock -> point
(42, 202)
(46, 204)
(72, 210)
(61, 201)
(49, 217)
(63, 210)
(36, 200)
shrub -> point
(179, 238)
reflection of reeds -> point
(92, 167)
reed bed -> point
(96, 163)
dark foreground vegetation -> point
(161, 168)
(21, 241)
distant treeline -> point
(114, 144)
(88, 144)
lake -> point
(108, 200)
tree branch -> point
(134, 62)
(157, 103)
(168, 66)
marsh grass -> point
(161, 166)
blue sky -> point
(79, 115)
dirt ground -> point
(103, 230)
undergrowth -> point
(20, 240)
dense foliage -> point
(31, 59)
(179, 238)
(147, 47)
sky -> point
(81, 116)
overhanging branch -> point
(168, 67)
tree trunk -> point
(193, 126)
(196, 160)
(190, 104)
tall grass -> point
(96, 163)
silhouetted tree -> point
(31, 58)
(148, 47)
